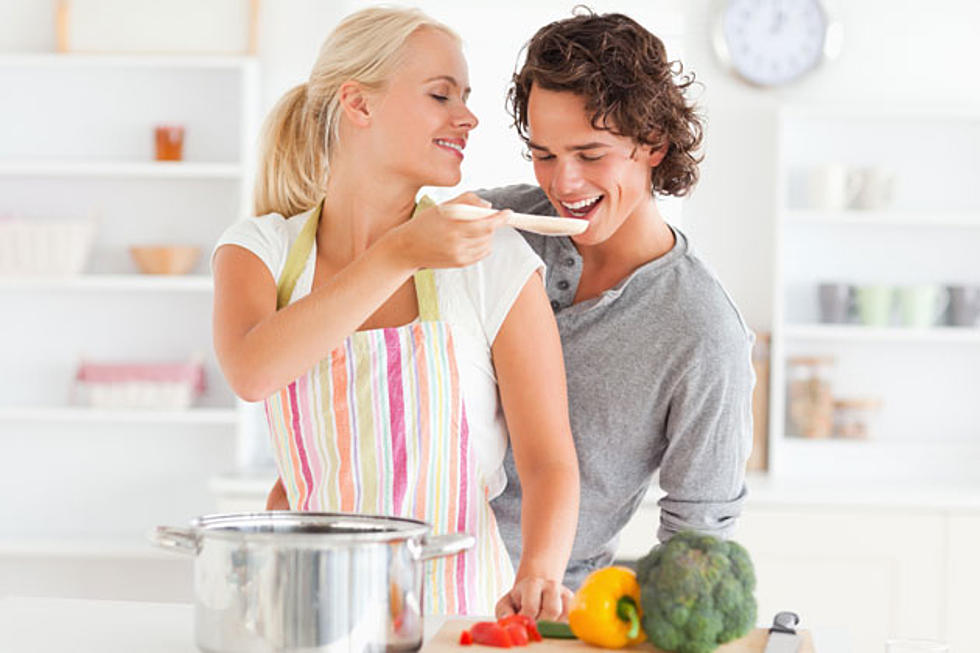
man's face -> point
(588, 173)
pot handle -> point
(439, 546)
(181, 540)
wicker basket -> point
(44, 247)
(132, 386)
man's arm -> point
(709, 434)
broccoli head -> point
(696, 592)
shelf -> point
(176, 61)
(81, 415)
(887, 218)
(112, 282)
(76, 547)
(857, 333)
(881, 111)
(144, 170)
(876, 442)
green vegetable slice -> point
(555, 630)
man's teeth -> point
(455, 146)
(578, 206)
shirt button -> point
(569, 262)
(562, 285)
(555, 305)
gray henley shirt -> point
(659, 377)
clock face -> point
(772, 42)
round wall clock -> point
(775, 42)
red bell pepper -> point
(490, 633)
(518, 634)
(525, 622)
(514, 630)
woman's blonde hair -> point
(298, 134)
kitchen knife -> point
(539, 224)
(782, 635)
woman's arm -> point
(261, 349)
(531, 376)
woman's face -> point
(588, 173)
(421, 122)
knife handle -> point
(785, 622)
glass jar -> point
(854, 418)
(809, 400)
(169, 141)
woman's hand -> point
(537, 598)
(434, 240)
(277, 499)
(531, 379)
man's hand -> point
(536, 598)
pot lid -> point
(288, 526)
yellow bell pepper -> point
(606, 609)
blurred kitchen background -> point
(841, 210)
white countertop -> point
(44, 625)
(770, 491)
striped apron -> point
(379, 427)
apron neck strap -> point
(299, 252)
(425, 280)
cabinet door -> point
(874, 573)
(964, 579)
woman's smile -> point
(454, 145)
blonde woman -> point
(394, 347)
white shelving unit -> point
(110, 282)
(927, 219)
(79, 415)
(927, 378)
(114, 170)
(107, 282)
(855, 333)
(77, 142)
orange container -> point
(169, 142)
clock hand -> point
(779, 16)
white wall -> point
(910, 52)
(918, 51)
(914, 51)
(293, 30)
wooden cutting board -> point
(447, 641)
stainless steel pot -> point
(311, 582)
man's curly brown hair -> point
(629, 87)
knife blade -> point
(782, 635)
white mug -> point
(922, 305)
(830, 187)
(872, 188)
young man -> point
(657, 357)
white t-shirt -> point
(475, 300)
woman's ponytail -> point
(292, 157)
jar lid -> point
(858, 402)
(809, 360)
